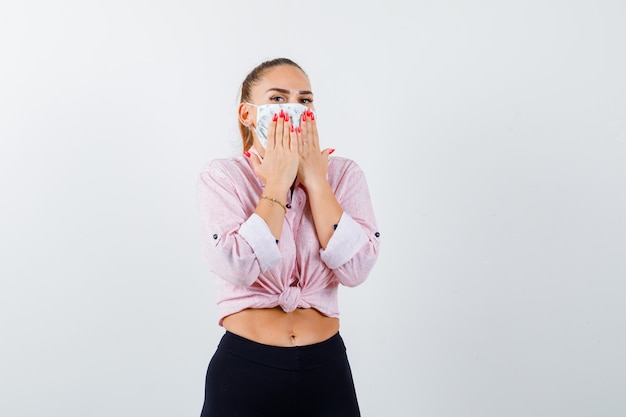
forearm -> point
(325, 209)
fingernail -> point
(282, 114)
(274, 117)
(312, 116)
(299, 130)
(246, 153)
(286, 117)
(292, 128)
(331, 151)
(304, 117)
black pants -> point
(249, 379)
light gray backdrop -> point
(493, 137)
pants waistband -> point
(288, 358)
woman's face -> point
(282, 84)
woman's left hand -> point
(313, 165)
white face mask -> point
(265, 112)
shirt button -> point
(215, 236)
(377, 234)
(288, 205)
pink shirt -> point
(256, 272)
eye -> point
(306, 100)
(277, 99)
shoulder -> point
(233, 166)
(339, 167)
(340, 163)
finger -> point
(313, 131)
(271, 133)
(299, 138)
(293, 139)
(279, 128)
(304, 126)
(287, 132)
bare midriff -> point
(272, 326)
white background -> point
(493, 137)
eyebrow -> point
(284, 91)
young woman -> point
(283, 225)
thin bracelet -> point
(273, 200)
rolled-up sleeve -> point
(260, 238)
(237, 246)
(352, 251)
(347, 240)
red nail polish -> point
(299, 130)
(312, 116)
(292, 129)
(286, 117)
(331, 151)
(246, 153)
(304, 117)
(282, 114)
(275, 117)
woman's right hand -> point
(279, 166)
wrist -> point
(276, 191)
(316, 186)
